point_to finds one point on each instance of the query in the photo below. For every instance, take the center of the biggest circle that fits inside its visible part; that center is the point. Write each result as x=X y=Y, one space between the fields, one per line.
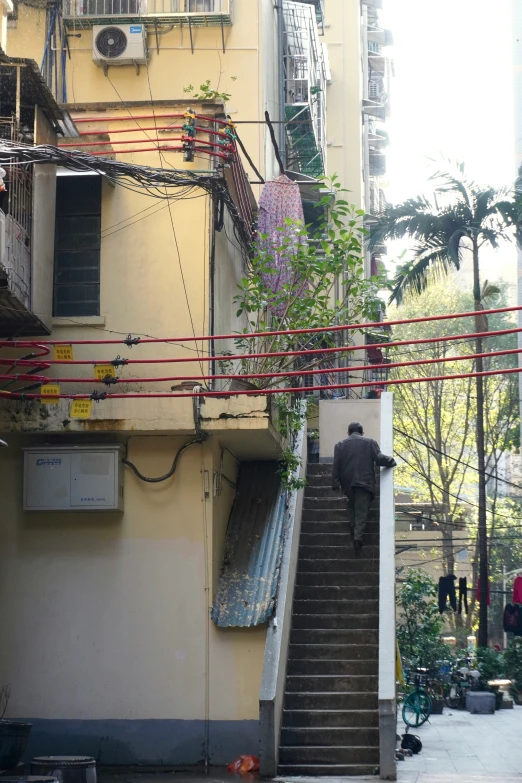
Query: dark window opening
x=77 y=247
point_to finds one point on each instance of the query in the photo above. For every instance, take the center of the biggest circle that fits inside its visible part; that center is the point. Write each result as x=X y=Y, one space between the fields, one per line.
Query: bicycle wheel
x=416 y=709
x=452 y=697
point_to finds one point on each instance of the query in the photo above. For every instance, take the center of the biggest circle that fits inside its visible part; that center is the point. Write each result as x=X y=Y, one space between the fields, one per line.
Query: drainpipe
x=281 y=47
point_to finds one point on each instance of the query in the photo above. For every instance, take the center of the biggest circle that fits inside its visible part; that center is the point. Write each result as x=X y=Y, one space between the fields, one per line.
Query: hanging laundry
x=447 y=590
x=280 y=201
x=477 y=594
x=463 y=594
x=517 y=590
x=511 y=620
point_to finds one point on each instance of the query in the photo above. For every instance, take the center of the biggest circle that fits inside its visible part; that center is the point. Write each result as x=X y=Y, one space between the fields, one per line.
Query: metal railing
x=97 y=9
x=305 y=82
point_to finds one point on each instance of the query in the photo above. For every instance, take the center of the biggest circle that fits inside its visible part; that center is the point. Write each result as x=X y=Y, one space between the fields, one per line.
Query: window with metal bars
x=77 y=249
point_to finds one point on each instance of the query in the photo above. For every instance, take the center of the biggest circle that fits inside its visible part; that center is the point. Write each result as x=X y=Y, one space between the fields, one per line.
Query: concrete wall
x=344 y=96
x=110 y=649
x=336 y=415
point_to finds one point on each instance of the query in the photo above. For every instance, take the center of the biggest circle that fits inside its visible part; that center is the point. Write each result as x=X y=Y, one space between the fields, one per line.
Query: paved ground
x=459 y=747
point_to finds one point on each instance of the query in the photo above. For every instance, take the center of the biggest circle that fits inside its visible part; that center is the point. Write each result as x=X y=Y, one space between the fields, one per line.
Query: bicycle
x=416 y=708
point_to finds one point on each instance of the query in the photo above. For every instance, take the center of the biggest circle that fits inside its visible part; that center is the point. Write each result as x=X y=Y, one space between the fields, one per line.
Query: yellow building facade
x=111 y=649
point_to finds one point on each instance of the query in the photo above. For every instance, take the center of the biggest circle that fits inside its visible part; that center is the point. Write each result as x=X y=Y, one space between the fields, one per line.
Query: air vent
x=111 y=42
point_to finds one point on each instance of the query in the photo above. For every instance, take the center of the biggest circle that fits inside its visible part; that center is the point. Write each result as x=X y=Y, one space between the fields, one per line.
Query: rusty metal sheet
x=253 y=548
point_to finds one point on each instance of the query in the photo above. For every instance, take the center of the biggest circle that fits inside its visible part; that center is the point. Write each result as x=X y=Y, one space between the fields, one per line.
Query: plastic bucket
x=13 y=742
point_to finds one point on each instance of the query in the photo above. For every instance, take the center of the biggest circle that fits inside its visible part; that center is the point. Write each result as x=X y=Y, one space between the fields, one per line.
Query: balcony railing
x=305 y=89
x=196 y=12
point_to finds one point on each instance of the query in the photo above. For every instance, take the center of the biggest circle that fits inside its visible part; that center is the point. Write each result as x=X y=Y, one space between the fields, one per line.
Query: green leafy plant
x=207 y=92
x=324 y=283
x=513 y=666
x=419 y=622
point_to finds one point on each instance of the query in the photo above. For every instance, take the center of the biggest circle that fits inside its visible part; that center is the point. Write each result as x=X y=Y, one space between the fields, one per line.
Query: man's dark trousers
x=359 y=502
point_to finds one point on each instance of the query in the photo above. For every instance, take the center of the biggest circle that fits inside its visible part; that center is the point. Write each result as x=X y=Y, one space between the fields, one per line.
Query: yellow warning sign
x=102 y=371
x=63 y=353
x=81 y=409
x=50 y=394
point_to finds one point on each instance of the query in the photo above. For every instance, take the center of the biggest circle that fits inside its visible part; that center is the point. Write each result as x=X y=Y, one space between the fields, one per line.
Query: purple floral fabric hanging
x=280 y=200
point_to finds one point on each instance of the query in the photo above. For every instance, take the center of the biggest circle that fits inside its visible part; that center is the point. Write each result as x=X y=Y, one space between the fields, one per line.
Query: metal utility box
x=73 y=478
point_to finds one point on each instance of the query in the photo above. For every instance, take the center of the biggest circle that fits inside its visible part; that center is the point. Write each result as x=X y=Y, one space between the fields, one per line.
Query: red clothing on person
x=517 y=591
x=478 y=593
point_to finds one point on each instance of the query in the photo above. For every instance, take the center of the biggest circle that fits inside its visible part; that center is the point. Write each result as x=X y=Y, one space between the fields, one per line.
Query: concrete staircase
x=330 y=717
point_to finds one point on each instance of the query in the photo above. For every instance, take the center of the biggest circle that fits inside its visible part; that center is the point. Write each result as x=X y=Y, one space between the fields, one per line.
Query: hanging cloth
x=477 y=594
x=463 y=594
x=280 y=201
x=511 y=619
x=517 y=591
x=447 y=590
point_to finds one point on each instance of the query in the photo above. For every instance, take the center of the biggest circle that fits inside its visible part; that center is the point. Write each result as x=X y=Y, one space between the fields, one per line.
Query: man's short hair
x=355 y=426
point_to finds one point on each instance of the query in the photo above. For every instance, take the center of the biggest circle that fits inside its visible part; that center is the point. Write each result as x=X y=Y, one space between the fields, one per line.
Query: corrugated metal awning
x=252 y=558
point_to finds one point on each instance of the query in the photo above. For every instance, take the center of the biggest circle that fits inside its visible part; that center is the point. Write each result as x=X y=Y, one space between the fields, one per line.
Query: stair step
x=335 y=652
x=333 y=578
x=331 y=701
x=363 y=606
x=314 y=490
x=342 y=667
x=330 y=736
x=316 y=527
x=318 y=468
x=315 y=538
x=317 y=622
x=322 y=479
x=353 y=593
x=322 y=770
x=330 y=683
x=337 y=552
x=325 y=503
x=333 y=515
x=318 y=718
x=356 y=564
x=334 y=636
x=328 y=755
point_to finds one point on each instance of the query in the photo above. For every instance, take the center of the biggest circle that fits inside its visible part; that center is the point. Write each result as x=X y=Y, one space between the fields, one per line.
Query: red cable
x=314 y=330
x=144 y=141
x=199 y=118
x=264 y=392
x=308 y=352
x=210 y=131
x=289 y=374
x=163 y=149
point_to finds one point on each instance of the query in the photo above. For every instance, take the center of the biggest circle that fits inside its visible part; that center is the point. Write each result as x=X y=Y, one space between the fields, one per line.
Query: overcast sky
x=452 y=96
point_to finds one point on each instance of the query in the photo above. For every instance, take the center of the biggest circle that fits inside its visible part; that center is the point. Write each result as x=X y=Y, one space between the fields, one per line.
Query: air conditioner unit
x=73 y=478
x=119 y=44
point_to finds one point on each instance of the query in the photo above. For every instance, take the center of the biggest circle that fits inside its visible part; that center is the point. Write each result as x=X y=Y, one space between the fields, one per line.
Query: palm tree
x=460 y=216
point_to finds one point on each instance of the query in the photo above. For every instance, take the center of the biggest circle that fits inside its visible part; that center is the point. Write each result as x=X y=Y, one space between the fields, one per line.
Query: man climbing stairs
x=330 y=717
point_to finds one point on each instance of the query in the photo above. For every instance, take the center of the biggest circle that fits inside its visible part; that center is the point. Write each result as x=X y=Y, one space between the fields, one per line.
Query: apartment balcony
x=319 y=9
x=16 y=318
x=377 y=163
x=305 y=73
x=197 y=13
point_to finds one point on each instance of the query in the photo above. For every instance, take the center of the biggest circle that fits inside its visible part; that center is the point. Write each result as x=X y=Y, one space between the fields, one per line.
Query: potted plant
x=13 y=734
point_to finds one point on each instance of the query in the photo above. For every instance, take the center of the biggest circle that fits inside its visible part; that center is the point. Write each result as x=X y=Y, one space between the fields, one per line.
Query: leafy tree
x=461 y=216
x=435 y=420
x=419 y=623
x=323 y=283
x=310 y=277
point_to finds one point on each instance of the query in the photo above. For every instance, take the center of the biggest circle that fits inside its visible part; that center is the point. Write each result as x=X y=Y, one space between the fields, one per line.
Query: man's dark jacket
x=354 y=463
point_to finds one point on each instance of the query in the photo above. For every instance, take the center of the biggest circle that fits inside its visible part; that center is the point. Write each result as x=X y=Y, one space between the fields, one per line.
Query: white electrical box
x=73 y=478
